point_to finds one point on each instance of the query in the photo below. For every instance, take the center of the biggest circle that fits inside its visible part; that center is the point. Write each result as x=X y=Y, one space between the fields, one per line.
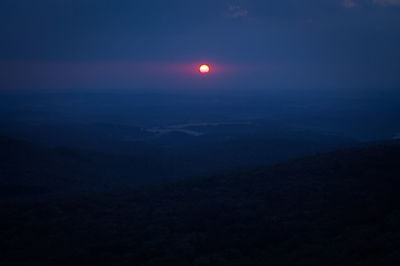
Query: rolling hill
x=338 y=208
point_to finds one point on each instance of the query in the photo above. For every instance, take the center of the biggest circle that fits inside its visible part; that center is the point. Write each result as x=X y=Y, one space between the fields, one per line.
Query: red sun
x=204 y=68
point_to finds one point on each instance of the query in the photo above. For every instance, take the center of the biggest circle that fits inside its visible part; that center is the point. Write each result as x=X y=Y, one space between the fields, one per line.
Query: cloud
x=387 y=2
x=235 y=12
x=349 y=3
x=353 y=3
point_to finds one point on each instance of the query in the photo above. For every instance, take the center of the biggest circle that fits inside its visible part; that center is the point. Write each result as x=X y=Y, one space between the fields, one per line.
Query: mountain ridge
x=338 y=208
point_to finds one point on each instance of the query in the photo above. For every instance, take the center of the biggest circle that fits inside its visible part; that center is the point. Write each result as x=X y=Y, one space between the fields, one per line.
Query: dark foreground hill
x=340 y=208
x=29 y=171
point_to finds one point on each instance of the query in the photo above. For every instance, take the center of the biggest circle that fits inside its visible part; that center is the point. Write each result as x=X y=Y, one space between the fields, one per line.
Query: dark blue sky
x=89 y=44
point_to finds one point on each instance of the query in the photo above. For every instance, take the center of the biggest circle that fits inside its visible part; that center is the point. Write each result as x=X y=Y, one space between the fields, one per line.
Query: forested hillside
x=339 y=208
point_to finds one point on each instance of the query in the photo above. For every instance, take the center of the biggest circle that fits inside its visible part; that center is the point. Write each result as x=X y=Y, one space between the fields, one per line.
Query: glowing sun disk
x=204 y=68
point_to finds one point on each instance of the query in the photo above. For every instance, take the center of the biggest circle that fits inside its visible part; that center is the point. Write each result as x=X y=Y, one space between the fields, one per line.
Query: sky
x=158 y=44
